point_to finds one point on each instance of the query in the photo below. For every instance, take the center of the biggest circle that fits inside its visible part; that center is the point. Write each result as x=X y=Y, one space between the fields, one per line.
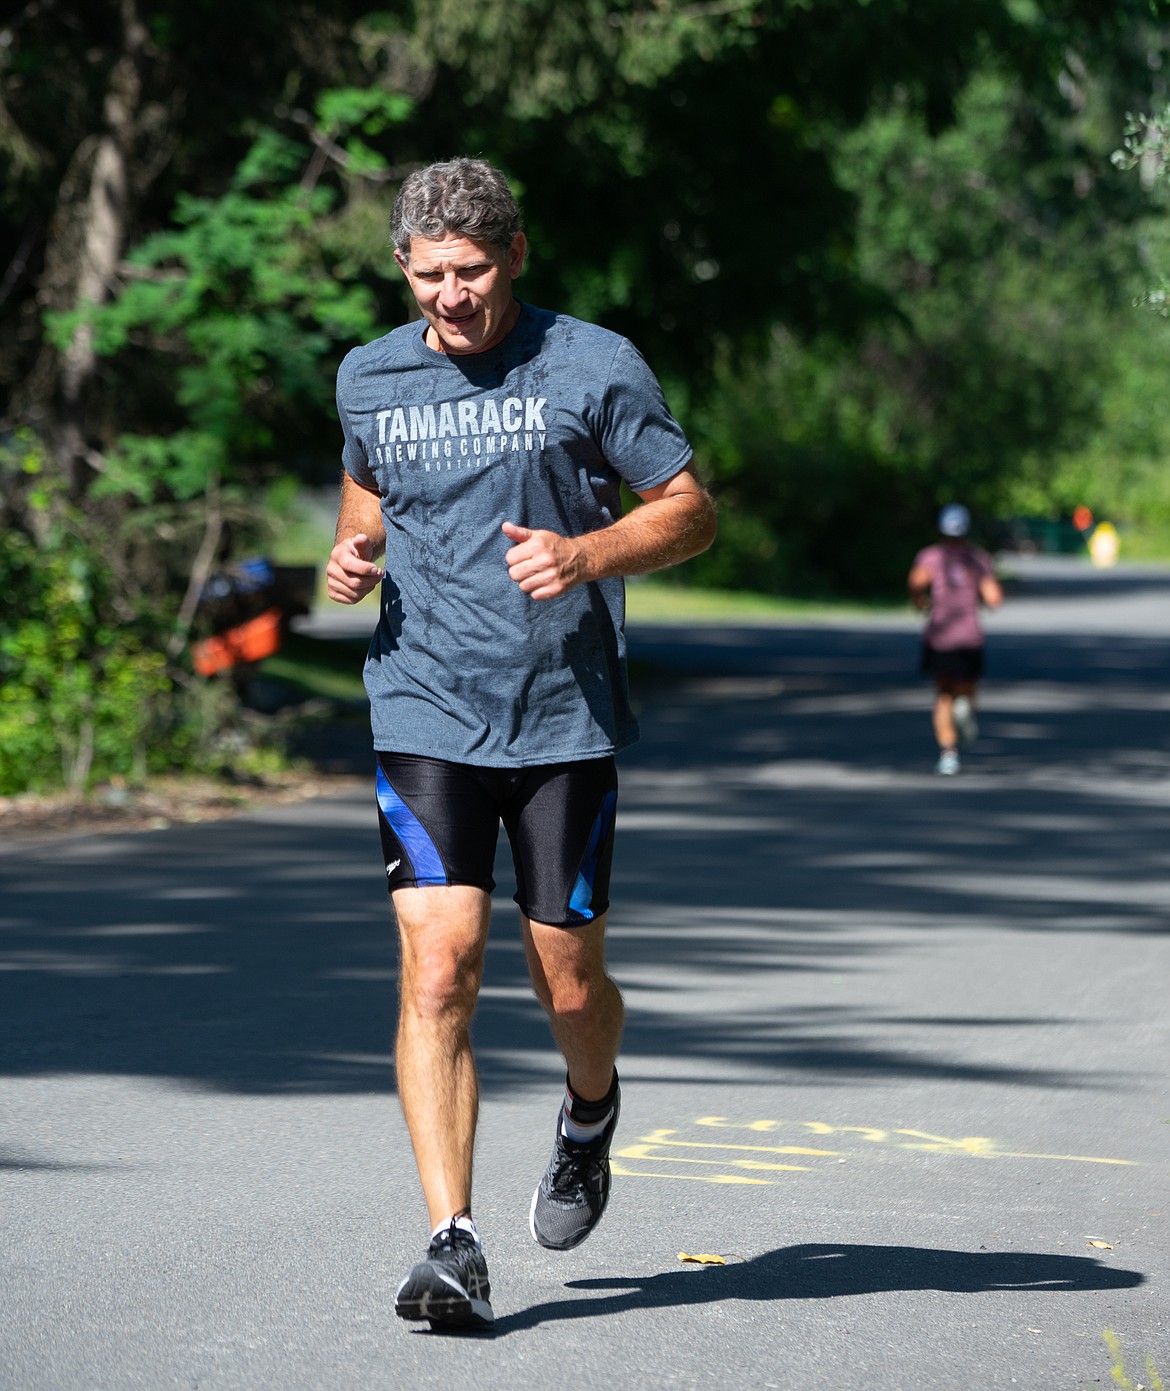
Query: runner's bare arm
x=990 y=591
x=361 y=537
x=676 y=521
x=919 y=586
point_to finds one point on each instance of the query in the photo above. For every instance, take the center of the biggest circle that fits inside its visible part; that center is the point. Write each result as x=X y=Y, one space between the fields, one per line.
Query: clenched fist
x=351 y=572
x=543 y=563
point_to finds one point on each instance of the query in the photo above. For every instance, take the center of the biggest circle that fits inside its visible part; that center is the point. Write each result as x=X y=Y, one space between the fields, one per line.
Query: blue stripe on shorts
x=581 y=899
x=424 y=857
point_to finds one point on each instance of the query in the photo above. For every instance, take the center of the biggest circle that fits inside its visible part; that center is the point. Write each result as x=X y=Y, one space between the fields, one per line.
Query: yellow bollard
x=1103 y=545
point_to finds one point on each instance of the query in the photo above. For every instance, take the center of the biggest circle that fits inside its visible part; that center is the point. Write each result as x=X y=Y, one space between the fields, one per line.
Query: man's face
x=464 y=289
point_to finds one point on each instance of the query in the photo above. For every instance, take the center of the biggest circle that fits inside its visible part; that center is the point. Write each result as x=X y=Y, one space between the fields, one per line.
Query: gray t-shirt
x=540 y=430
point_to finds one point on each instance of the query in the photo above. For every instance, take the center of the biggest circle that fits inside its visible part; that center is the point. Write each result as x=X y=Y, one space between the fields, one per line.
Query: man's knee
x=567 y=965
x=442 y=936
x=575 y=994
x=565 y=999
x=441 y=981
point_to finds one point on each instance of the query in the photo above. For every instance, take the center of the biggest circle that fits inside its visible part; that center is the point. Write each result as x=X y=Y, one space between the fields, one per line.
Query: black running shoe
x=450 y=1288
x=572 y=1195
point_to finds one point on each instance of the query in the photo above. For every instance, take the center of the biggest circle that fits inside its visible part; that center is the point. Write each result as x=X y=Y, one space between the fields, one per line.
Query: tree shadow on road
x=824 y=1271
x=779 y=825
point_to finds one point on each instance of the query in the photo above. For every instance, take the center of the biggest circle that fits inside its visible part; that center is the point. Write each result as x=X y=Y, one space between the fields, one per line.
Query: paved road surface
x=897 y=1049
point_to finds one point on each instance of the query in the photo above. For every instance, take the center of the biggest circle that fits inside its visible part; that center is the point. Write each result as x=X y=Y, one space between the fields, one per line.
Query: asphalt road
x=896 y=1050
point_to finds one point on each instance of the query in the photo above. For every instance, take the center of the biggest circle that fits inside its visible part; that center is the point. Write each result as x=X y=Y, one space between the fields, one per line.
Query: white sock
x=465 y=1224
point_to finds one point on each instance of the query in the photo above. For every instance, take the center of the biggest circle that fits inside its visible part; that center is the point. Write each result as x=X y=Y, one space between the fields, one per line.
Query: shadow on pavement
x=1050 y=580
x=779 y=809
x=828 y=1272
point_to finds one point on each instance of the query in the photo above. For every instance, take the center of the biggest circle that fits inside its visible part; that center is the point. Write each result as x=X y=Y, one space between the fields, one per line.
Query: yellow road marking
x=658 y=1137
x=643 y=1151
x=980 y=1146
x=656 y=1146
x=623 y=1172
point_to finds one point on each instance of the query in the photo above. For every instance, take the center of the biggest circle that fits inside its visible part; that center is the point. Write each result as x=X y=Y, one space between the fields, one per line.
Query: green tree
x=678 y=161
x=162 y=102
x=80 y=692
x=193 y=231
x=225 y=332
x=1000 y=253
x=234 y=319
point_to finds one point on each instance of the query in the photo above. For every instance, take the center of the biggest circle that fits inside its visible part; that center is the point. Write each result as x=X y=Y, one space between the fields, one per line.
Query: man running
x=951 y=579
x=484 y=452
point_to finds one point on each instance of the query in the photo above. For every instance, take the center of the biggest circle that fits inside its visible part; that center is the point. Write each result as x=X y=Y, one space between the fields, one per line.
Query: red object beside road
x=249 y=642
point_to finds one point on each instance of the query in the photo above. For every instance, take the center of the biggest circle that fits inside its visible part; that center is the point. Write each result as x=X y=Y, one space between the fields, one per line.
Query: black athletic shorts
x=440 y=822
x=961 y=663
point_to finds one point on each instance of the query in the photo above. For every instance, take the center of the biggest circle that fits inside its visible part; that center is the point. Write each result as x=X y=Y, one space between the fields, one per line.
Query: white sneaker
x=948 y=763
x=963 y=714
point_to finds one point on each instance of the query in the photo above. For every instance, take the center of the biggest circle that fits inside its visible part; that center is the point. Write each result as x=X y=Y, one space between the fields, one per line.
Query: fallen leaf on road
x=1100 y=1245
x=703 y=1259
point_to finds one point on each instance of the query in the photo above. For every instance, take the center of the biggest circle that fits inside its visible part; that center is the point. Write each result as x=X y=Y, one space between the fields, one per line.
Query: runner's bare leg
x=584 y=1006
x=949 y=689
x=443 y=932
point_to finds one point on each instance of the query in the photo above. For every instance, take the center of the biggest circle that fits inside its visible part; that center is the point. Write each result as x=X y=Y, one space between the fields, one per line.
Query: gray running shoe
x=948 y=763
x=572 y=1195
x=450 y=1288
x=966 y=725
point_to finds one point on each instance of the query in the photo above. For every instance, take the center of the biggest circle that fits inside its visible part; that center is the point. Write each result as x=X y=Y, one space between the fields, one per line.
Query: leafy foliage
x=1146 y=148
x=237 y=299
x=80 y=692
x=1004 y=368
x=876 y=250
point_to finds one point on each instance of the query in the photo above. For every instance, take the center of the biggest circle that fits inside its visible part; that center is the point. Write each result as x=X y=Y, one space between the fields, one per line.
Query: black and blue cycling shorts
x=440 y=822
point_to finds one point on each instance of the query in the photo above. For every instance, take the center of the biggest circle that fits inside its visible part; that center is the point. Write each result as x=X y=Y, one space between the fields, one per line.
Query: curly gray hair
x=466 y=197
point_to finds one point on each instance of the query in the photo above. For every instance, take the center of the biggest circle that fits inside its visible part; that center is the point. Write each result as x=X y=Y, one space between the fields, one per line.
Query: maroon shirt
x=955 y=575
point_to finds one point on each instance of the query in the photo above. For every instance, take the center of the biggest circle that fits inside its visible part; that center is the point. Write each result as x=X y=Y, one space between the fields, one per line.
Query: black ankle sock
x=590 y=1112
